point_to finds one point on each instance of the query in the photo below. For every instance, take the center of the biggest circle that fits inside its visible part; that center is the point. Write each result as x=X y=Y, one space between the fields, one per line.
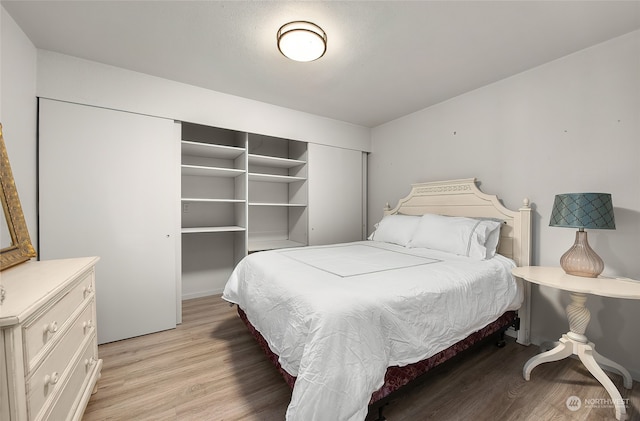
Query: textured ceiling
x=385 y=59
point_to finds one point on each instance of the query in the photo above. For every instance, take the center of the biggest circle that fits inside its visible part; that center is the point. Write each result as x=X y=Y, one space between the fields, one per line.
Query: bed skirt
x=396 y=377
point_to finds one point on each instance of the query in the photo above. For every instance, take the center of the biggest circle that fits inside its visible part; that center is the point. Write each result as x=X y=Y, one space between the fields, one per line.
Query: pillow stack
x=476 y=238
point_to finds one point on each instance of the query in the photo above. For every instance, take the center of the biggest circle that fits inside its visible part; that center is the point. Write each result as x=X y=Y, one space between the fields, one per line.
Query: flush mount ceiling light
x=302 y=41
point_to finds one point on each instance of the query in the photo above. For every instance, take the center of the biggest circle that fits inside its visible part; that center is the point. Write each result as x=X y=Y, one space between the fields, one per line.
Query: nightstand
x=575 y=342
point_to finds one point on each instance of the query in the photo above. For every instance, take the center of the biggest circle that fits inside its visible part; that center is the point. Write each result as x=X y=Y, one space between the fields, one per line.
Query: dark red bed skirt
x=396 y=377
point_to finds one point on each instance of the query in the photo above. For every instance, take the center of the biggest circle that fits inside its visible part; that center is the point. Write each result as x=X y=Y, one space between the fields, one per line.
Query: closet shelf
x=200 y=170
x=294 y=205
x=273 y=161
x=272 y=178
x=262 y=245
x=208 y=150
x=196 y=230
x=204 y=200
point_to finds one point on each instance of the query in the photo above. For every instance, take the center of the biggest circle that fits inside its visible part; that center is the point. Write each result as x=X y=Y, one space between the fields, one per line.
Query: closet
x=171 y=207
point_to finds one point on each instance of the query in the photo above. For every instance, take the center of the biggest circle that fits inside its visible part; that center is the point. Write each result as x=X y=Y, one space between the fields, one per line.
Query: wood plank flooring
x=210 y=368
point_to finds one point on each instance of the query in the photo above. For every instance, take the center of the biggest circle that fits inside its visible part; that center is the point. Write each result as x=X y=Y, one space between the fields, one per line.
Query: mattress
x=337 y=316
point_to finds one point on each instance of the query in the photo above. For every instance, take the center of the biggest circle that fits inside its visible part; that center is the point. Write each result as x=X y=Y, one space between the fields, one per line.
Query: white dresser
x=49 y=362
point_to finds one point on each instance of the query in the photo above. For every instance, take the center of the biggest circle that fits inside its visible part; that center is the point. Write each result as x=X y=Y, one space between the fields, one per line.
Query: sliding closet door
x=108 y=185
x=337 y=188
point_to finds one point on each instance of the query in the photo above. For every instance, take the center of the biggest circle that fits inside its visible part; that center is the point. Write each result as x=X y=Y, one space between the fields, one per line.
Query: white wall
x=72 y=79
x=18 y=112
x=572 y=125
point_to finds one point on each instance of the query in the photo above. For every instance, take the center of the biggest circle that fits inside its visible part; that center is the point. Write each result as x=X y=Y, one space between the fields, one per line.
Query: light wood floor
x=209 y=368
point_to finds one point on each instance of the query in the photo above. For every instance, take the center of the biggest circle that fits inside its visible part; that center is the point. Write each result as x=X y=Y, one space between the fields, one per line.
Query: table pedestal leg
x=561 y=351
x=575 y=342
x=586 y=354
x=613 y=366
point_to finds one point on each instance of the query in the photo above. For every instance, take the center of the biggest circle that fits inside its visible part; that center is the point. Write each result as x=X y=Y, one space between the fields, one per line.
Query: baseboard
x=200 y=294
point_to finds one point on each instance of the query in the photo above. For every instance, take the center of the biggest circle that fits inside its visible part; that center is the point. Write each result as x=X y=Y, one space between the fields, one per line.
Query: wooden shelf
x=272 y=161
x=203 y=171
x=210 y=150
x=271 y=178
x=196 y=230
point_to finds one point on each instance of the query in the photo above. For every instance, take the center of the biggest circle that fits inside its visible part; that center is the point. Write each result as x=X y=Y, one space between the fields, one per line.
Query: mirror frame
x=21 y=248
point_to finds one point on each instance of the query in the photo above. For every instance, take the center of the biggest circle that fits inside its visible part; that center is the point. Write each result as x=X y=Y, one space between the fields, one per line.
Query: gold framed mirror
x=15 y=242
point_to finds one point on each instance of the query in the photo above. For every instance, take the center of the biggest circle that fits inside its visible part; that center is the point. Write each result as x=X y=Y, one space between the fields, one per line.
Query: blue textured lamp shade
x=582 y=210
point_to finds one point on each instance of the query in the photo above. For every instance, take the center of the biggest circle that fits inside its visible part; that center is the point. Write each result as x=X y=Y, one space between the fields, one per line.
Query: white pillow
x=396 y=229
x=454 y=234
x=493 y=239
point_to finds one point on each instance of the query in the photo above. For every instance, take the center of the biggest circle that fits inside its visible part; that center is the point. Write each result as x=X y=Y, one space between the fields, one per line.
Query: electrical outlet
x=185 y=208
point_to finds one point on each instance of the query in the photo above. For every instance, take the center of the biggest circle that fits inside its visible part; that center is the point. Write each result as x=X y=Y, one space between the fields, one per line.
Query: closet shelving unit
x=277 y=193
x=213 y=206
x=240 y=193
x=209 y=164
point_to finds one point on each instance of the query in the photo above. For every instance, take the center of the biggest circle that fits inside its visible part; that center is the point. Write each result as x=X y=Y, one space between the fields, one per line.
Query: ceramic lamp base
x=581 y=260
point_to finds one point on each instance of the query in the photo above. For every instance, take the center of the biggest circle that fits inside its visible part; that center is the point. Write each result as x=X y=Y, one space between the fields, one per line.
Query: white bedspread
x=338 y=316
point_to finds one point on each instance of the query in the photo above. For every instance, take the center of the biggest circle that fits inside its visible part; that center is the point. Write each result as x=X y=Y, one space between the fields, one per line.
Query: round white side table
x=575 y=342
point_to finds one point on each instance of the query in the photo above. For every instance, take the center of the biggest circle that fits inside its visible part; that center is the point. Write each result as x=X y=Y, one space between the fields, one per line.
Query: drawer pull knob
x=88 y=290
x=51 y=379
x=51 y=327
x=88 y=324
x=90 y=362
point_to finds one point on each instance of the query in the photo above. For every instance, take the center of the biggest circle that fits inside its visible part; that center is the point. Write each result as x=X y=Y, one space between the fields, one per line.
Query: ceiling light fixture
x=302 y=41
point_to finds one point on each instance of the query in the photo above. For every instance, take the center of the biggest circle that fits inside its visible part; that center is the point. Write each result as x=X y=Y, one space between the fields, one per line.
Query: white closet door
x=108 y=184
x=336 y=195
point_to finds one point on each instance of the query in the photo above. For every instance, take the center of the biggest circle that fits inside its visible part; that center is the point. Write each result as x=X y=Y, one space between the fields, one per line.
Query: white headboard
x=463 y=198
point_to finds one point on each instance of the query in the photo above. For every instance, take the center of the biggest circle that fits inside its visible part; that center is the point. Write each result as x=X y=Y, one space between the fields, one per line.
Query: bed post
x=524 y=259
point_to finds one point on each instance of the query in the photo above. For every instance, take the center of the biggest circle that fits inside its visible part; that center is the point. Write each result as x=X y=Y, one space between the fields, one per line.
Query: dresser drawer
x=47 y=326
x=47 y=379
x=77 y=390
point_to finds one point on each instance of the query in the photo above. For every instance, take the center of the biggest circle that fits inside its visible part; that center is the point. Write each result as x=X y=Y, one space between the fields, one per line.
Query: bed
x=348 y=324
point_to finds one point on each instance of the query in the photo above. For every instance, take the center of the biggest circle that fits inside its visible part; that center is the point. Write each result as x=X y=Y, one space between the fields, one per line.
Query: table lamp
x=582 y=210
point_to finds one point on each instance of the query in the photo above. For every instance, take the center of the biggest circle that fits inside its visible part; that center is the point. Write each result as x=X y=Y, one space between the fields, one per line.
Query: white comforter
x=338 y=316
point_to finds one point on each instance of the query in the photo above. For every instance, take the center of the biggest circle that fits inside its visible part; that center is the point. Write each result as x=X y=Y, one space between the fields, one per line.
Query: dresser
x=49 y=362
